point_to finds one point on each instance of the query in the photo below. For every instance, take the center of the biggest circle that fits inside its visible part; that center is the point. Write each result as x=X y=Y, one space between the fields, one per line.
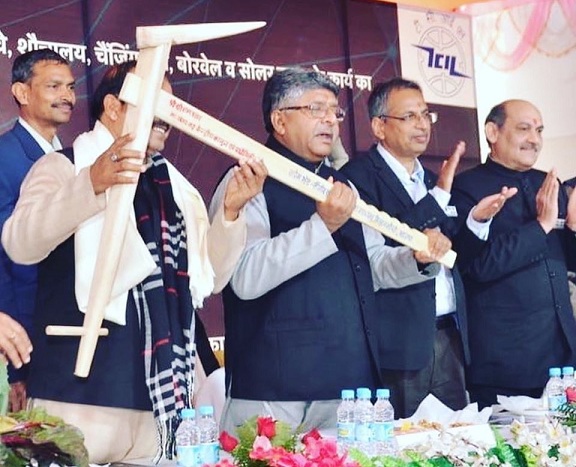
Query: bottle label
x=556 y=401
x=209 y=453
x=383 y=431
x=363 y=432
x=346 y=431
x=188 y=456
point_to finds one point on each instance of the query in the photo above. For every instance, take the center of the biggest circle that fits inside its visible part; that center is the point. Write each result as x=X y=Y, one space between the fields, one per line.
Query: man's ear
x=112 y=107
x=491 y=131
x=377 y=125
x=278 y=123
x=20 y=92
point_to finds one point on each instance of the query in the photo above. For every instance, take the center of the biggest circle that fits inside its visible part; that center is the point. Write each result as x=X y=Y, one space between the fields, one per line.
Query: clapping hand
x=491 y=205
x=547 y=202
x=449 y=166
x=571 y=215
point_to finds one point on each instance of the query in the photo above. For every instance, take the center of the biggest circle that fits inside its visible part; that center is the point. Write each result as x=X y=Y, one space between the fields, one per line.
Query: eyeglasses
x=316 y=110
x=412 y=117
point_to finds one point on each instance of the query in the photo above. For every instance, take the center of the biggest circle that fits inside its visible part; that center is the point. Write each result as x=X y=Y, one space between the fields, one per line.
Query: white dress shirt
x=47 y=146
x=416 y=189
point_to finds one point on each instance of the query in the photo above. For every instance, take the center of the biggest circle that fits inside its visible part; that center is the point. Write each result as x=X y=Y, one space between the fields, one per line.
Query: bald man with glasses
x=421 y=327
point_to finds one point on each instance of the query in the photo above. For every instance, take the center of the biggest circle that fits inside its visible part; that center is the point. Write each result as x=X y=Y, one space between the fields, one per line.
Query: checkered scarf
x=164 y=304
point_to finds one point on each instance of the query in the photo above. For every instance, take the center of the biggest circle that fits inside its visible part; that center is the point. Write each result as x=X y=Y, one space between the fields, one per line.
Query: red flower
x=312 y=434
x=571 y=394
x=266 y=427
x=227 y=441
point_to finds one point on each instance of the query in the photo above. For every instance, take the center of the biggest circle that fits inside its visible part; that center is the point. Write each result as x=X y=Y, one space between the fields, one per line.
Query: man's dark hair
x=497 y=115
x=23 y=66
x=111 y=83
x=287 y=85
x=378 y=99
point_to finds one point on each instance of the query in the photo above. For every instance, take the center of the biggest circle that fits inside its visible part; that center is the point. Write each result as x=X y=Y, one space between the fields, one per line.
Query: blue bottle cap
x=206 y=410
x=347 y=393
x=383 y=393
x=363 y=393
x=187 y=413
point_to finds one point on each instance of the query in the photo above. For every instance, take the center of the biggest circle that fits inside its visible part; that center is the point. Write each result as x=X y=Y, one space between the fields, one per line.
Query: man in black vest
x=514 y=265
x=422 y=327
x=300 y=317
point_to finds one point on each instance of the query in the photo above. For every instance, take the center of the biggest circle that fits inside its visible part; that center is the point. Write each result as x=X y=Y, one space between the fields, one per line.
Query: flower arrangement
x=546 y=444
x=263 y=442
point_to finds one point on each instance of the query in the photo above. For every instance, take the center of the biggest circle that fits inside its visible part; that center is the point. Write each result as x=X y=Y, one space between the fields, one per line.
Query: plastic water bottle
x=187 y=449
x=555 y=395
x=208 y=436
x=384 y=440
x=569 y=383
x=345 y=419
x=363 y=419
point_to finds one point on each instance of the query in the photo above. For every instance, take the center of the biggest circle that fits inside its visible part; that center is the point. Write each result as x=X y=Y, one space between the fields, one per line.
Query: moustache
x=65 y=103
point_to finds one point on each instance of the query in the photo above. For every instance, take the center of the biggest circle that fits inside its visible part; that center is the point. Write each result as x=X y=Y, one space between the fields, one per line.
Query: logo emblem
x=442 y=61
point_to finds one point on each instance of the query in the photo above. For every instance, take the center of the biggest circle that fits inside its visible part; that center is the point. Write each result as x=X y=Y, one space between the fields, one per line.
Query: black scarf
x=164 y=303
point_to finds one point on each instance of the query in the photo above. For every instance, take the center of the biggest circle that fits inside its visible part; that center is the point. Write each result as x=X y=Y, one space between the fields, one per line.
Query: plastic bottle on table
x=363 y=420
x=384 y=440
x=569 y=383
x=208 y=436
x=345 y=419
x=554 y=391
x=187 y=449
x=568 y=377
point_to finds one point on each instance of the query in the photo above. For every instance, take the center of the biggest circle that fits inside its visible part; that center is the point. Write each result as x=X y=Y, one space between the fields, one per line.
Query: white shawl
x=136 y=263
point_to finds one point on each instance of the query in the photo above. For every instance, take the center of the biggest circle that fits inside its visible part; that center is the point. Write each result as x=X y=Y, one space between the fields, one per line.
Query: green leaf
x=46 y=439
x=247 y=432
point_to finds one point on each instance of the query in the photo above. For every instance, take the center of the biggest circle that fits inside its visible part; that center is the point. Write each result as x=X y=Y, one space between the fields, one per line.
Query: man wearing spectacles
x=421 y=327
x=299 y=311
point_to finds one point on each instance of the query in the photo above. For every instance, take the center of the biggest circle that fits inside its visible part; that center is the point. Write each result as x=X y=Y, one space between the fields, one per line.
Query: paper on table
x=522 y=405
x=432 y=410
x=476 y=427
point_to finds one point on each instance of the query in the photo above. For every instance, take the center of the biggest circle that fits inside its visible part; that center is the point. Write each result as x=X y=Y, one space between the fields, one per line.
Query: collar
x=505 y=171
x=47 y=146
x=278 y=147
x=399 y=170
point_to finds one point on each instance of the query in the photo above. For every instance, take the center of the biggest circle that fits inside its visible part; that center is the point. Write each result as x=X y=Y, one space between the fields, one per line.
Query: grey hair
x=378 y=100
x=287 y=85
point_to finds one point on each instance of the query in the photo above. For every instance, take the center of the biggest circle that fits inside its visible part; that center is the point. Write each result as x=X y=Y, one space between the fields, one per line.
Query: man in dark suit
x=43 y=88
x=421 y=327
x=514 y=265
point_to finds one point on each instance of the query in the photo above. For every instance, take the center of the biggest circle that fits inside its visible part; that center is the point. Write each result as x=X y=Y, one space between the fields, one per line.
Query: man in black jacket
x=514 y=265
x=421 y=327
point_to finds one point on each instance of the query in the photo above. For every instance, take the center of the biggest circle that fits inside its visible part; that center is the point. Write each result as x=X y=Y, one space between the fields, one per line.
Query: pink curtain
x=532 y=31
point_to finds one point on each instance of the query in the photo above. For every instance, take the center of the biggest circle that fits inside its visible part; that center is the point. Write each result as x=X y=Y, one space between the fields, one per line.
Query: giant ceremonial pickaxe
x=142 y=91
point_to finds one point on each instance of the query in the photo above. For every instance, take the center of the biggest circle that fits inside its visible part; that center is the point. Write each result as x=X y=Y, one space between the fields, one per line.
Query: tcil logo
x=442 y=61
